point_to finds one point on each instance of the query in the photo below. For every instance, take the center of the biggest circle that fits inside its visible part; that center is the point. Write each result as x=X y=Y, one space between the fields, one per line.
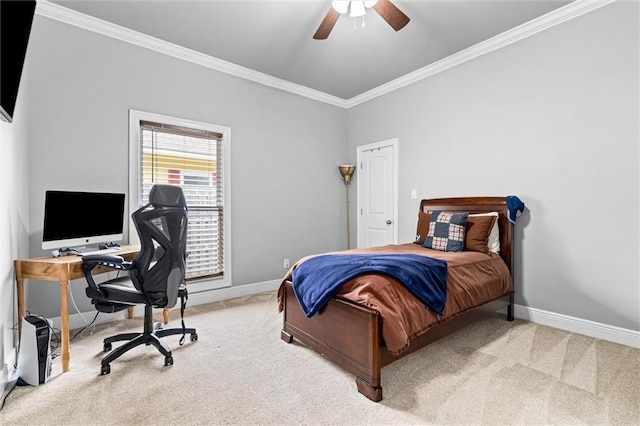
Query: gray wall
x=286 y=193
x=553 y=119
x=14 y=215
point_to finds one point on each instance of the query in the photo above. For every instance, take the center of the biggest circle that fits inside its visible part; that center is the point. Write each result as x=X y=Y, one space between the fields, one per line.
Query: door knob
x=388 y=221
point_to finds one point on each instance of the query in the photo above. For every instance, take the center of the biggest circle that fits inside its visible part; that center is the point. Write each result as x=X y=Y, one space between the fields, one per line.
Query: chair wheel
x=168 y=360
x=194 y=337
x=107 y=347
x=105 y=369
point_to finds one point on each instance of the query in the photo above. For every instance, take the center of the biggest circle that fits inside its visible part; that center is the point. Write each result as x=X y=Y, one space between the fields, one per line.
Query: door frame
x=394 y=143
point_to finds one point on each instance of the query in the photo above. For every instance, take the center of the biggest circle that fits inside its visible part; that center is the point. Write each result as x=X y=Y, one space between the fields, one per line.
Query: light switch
x=414 y=194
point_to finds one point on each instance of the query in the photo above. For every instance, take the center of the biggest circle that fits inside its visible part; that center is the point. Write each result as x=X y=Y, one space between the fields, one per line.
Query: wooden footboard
x=350 y=335
x=346 y=333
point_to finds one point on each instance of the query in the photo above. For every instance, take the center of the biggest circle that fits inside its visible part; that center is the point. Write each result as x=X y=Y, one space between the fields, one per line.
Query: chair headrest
x=167 y=196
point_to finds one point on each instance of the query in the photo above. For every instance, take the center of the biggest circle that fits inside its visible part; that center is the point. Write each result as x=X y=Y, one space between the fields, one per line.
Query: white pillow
x=494 y=235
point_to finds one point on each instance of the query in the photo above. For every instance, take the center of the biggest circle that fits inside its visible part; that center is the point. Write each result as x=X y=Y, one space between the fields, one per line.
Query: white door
x=377 y=194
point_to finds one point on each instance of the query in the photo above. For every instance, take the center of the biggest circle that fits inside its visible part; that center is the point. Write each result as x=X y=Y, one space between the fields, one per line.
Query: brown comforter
x=473 y=279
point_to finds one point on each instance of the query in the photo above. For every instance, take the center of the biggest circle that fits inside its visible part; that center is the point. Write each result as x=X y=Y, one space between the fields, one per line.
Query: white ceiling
x=275 y=37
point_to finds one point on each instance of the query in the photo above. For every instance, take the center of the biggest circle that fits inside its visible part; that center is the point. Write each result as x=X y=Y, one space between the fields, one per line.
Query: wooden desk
x=61 y=269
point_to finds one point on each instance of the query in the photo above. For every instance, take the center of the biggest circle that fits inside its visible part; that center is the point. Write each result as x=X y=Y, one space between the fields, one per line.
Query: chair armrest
x=110 y=261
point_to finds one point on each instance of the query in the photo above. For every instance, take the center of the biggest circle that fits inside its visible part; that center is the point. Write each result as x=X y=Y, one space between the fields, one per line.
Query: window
x=194 y=156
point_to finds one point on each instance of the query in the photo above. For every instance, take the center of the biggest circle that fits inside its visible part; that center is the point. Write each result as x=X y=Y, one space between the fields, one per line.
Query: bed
x=373 y=320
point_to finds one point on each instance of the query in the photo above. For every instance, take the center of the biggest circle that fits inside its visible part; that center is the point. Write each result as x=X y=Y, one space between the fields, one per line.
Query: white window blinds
x=192 y=159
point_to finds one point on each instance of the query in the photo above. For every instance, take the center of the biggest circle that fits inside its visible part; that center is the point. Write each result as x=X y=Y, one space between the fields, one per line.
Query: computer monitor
x=75 y=219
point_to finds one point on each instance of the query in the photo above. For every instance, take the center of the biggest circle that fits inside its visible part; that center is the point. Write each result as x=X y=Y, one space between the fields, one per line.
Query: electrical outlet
x=286 y=264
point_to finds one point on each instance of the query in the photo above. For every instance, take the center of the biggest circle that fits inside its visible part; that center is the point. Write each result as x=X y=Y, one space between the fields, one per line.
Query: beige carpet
x=240 y=372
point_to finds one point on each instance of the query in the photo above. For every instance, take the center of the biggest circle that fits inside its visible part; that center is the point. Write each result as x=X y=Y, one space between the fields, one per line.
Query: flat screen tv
x=76 y=219
x=16 y=17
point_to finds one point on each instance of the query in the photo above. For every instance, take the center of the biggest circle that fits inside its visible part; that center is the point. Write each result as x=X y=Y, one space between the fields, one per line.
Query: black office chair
x=155 y=278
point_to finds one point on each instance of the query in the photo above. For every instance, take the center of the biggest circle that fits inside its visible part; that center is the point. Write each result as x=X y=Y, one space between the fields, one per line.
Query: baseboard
x=232 y=292
x=78 y=321
x=589 y=328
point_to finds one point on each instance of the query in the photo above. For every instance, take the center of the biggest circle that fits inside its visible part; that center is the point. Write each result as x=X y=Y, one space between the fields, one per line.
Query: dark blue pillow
x=446 y=231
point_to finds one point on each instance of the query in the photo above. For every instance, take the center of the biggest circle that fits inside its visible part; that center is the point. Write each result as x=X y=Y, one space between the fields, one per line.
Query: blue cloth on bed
x=318 y=278
x=515 y=207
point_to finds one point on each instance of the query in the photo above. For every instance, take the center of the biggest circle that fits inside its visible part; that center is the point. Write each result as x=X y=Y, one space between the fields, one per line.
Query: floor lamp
x=346 y=170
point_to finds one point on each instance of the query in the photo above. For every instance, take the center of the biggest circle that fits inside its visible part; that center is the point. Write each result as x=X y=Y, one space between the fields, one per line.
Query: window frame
x=135 y=117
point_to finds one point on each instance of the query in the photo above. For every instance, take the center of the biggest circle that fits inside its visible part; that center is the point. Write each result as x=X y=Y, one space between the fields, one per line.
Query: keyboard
x=102 y=251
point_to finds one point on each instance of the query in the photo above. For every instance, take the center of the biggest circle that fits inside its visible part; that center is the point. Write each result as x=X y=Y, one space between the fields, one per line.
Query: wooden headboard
x=479 y=205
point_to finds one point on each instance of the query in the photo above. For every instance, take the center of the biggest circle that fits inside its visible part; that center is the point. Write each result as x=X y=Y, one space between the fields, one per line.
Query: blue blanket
x=318 y=278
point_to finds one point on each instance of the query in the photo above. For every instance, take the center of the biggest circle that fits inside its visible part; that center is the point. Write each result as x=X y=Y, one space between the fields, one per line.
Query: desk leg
x=22 y=306
x=64 y=319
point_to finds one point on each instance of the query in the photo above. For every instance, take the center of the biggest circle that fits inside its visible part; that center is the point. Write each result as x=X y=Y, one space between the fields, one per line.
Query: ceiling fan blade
x=327 y=24
x=390 y=13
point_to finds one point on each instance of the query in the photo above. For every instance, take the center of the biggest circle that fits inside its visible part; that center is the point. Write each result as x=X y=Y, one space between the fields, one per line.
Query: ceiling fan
x=388 y=11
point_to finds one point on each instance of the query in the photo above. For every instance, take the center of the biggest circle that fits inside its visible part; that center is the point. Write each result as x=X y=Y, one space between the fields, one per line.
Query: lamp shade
x=347 y=170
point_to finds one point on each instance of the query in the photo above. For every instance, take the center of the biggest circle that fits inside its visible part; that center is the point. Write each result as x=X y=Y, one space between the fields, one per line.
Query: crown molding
x=71 y=17
x=544 y=22
x=551 y=19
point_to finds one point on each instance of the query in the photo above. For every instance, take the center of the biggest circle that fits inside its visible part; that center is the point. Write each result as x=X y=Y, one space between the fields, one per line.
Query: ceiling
x=275 y=37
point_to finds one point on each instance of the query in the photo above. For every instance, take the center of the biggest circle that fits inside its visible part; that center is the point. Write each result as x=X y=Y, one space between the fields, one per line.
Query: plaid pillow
x=446 y=231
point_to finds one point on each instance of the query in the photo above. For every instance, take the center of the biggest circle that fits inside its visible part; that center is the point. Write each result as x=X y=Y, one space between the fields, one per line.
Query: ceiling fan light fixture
x=340 y=6
x=387 y=10
x=357 y=9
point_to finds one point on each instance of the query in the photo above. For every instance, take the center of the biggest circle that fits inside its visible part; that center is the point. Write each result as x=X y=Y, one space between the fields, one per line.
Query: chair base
x=148 y=337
